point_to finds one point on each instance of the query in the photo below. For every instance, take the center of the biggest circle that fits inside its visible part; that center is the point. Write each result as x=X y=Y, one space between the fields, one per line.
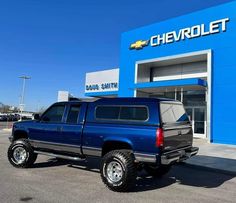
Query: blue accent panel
x=118 y=139
x=222 y=44
x=168 y=83
x=100 y=94
x=223 y=141
x=140 y=137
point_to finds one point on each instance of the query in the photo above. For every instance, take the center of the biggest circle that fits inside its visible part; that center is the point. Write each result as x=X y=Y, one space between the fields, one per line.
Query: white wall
x=143 y=74
x=102 y=81
x=63 y=96
x=180 y=71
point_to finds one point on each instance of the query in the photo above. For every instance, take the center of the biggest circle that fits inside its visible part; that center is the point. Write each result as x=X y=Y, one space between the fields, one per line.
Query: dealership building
x=190 y=58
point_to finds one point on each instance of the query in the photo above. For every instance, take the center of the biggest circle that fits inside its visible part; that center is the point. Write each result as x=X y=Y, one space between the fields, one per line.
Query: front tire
x=20 y=154
x=118 y=170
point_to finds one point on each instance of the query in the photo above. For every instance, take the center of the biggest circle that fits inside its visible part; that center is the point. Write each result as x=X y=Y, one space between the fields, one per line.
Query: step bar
x=72 y=158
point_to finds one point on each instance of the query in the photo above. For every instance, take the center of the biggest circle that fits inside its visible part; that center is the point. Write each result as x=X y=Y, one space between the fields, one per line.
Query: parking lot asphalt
x=64 y=181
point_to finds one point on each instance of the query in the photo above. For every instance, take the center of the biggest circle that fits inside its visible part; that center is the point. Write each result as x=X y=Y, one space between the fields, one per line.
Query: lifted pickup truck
x=129 y=134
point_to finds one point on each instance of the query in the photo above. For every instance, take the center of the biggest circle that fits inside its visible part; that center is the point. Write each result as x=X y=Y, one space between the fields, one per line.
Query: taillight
x=159 y=137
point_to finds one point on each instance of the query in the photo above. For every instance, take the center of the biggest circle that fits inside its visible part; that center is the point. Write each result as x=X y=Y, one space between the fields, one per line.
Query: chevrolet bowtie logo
x=139 y=44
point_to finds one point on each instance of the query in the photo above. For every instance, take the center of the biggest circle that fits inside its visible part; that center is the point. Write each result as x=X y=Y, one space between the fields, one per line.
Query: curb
x=216 y=170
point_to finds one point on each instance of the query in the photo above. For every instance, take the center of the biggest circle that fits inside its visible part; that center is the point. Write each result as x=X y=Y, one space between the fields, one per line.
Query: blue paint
x=139 y=135
x=168 y=83
x=98 y=94
x=222 y=46
x=223 y=63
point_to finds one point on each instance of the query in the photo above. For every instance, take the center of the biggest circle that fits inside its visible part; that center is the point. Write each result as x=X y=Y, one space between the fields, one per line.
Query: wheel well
x=20 y=134
x=113 y=145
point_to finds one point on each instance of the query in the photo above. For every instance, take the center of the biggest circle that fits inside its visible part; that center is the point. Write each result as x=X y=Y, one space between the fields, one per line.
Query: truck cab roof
x=117 y=100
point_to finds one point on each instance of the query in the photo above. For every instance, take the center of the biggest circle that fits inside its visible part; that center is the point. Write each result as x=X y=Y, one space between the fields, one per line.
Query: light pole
x=24 y=77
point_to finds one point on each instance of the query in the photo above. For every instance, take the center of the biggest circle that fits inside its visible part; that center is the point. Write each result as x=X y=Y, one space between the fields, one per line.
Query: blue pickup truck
x=128 y=134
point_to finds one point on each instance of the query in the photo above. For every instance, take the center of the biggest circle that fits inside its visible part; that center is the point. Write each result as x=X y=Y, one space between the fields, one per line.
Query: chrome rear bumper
x=172 y=157
x=168 y=157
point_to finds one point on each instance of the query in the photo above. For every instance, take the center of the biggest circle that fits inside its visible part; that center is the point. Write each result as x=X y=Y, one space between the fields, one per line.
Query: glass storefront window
x=178 y=95
x=170 y=95
x=194 y=102
x=194 y=98
x=190 y=97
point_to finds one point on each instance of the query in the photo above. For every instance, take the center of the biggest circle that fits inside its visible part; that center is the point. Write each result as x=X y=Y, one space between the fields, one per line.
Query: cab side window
x=107 y=112
x=73 y=114
x=122 y=113
x=54 y=114
x=134 y=113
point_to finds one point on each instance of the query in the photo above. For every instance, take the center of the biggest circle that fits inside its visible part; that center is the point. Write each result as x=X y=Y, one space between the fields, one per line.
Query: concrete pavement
x=217 y=157
x=64 y=181
x=6 y=125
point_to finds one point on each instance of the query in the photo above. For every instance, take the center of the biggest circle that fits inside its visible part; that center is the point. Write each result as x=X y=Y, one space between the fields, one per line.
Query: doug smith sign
x=102 y=81
x=182 y=34
x=111 y=86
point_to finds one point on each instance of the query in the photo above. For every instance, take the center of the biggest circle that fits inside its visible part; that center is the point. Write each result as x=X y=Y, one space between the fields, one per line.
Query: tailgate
x=176 y=126
x=177 y=136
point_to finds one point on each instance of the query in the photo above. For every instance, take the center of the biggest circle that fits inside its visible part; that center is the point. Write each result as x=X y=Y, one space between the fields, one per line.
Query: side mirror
x=36 y=116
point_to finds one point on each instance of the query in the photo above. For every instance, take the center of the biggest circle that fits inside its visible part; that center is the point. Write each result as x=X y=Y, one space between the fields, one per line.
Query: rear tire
x=157 y=171
x=118 y=170
x=20 y=154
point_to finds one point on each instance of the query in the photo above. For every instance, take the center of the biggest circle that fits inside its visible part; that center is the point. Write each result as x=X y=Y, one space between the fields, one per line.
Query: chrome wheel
x=114 y=171
x=19 y=155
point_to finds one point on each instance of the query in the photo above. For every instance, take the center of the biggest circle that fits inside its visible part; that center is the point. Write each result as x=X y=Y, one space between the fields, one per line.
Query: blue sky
x=57 y=41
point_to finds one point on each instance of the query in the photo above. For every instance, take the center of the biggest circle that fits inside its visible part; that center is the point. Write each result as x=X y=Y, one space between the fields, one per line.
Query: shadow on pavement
x=90 y=164
x=179 y=174
x=184 y=176
x=218 y=163
x=52 y=162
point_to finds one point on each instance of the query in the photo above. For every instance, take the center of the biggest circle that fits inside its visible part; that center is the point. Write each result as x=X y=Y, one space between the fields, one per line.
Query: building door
x=198 y=117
